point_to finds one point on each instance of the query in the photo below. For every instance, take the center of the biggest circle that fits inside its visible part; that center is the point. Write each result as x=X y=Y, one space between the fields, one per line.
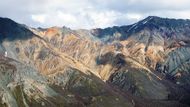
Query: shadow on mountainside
x=10 y=30
x=111 y=58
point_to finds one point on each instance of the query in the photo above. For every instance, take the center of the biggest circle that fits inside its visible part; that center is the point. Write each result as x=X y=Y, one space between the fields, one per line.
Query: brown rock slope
x=143 y=65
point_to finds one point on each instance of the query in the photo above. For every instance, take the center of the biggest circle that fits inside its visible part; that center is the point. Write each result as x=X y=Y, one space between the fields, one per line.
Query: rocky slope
x=141 y=65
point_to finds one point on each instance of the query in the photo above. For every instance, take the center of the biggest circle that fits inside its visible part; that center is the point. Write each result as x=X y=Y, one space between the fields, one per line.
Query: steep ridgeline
x=37 y=71
x=141 y=65
x=160 y=44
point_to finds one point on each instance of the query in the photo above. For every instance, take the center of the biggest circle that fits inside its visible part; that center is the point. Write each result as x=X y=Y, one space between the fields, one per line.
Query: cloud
x=39 y=18
x=90 y=13
x=57 y=18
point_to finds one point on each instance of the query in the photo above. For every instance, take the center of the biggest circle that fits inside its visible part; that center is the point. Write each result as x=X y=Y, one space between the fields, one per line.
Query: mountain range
x=146 y=64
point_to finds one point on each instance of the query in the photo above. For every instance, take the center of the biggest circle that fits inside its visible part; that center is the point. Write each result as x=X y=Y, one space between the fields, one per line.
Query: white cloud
x=66 y=17
x=134 y=16
x=57 y=18
x=90 y=13
x=39 y=18
x=103 y=19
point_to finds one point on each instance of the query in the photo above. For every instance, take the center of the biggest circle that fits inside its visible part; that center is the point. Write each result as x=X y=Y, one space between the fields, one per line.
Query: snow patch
x=136 y=27
x=145 y=21
x=132 y=27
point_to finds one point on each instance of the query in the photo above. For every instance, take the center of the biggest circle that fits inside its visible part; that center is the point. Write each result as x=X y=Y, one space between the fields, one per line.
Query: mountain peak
x=165 y=22
x=4 y=18
x=153 y=17
x=11 y=30
x=7 y=22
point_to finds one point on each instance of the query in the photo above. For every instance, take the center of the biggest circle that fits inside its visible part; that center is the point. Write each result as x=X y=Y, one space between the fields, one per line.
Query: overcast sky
x=90 y=13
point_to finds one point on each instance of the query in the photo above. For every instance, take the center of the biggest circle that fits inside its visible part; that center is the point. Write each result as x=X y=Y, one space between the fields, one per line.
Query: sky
x=88 y=14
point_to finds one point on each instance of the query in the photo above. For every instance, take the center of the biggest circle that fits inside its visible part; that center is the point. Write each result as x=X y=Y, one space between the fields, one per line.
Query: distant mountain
x=146 y=64
x=150 y=23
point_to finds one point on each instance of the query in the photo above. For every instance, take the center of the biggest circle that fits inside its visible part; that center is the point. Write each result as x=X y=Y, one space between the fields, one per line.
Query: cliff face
x=144 y=64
